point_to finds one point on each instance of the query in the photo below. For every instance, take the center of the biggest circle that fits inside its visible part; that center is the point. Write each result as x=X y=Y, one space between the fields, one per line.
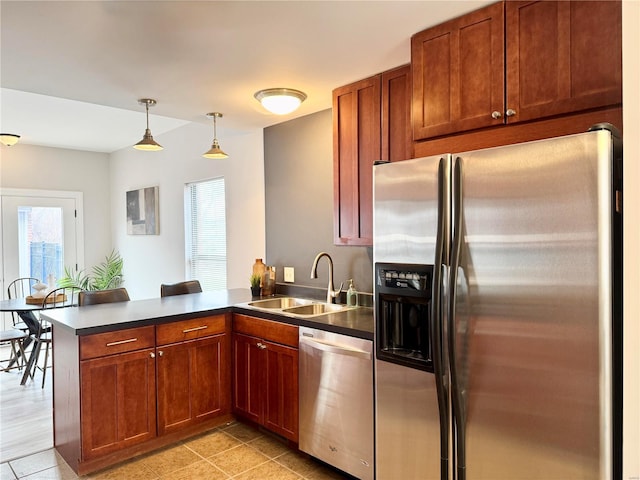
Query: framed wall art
x=142 y=212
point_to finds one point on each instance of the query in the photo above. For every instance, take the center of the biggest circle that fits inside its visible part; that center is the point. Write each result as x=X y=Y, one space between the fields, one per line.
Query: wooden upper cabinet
x=562 y=57
x=458 y=74
x=371 y=121
x=396 y=114
x=356 y=145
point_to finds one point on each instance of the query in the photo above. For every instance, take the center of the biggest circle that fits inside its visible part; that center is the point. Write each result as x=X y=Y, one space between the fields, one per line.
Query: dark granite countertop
x=356 y=322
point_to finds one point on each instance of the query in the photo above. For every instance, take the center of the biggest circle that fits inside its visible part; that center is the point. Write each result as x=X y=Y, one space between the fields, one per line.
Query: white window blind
x=206 y=233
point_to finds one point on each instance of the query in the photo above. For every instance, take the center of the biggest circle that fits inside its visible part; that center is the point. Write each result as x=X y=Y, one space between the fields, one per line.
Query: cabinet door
x=281 y=409
x=356 y=145
x=118 y=402
x=458 y=74
x=562 y=57
x=248 y=377
x=193 y=382
x=396 y=114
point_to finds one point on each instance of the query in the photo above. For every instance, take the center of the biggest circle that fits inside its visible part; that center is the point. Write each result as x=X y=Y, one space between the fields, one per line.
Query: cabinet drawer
x=102 y=344
x=277 y=332
x=189 y=329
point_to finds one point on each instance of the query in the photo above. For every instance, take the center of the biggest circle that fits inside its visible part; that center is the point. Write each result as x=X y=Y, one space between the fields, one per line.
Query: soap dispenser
x=352 y=295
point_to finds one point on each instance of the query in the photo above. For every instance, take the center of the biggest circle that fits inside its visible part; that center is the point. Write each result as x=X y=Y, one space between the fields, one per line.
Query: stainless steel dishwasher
x=336 y=400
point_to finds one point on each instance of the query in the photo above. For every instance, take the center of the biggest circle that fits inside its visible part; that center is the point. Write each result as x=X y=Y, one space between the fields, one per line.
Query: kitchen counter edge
x=89 y=320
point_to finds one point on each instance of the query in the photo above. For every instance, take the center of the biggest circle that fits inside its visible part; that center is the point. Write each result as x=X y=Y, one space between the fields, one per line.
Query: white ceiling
x=71 y=72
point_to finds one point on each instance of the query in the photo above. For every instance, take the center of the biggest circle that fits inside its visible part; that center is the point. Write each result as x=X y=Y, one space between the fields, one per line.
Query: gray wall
x=298 y=170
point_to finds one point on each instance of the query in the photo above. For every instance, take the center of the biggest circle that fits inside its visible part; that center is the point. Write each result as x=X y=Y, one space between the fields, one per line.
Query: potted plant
x=254 y=281
x=104 y=276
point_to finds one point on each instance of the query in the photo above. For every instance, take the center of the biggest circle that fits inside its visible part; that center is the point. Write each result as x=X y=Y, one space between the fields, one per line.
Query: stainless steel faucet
x=331 y=293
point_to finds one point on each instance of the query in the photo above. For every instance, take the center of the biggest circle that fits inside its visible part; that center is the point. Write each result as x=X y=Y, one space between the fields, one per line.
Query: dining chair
x=20 y=288
x=180 y=288
x=57 y=298
x=16 y=339
x=103 y=296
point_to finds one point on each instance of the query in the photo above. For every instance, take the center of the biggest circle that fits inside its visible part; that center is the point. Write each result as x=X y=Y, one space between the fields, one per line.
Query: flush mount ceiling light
x=147 y=142
x=9 y=139
x=215 y=151
x=280 y=100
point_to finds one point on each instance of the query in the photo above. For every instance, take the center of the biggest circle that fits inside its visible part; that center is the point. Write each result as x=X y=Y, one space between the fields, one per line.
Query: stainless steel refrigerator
x=497 y=282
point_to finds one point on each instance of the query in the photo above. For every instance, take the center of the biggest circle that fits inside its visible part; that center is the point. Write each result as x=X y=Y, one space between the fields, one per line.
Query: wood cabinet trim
x=119 y=341
x=191 y=329
x=277 y=332
x=518 y=133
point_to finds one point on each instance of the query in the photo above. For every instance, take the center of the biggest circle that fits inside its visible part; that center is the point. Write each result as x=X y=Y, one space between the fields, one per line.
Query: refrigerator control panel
x=402 y=279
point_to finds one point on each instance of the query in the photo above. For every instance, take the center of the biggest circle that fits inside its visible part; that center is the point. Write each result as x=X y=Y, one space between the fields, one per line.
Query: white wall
x=150 y=260
x=44 y=168
x=631 y=99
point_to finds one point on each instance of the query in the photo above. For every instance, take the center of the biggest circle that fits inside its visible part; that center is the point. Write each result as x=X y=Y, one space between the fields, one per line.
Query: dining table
x=27 y=313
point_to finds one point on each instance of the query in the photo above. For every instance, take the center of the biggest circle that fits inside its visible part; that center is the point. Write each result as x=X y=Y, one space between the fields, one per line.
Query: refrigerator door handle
x=457 y=401
x=437 y=318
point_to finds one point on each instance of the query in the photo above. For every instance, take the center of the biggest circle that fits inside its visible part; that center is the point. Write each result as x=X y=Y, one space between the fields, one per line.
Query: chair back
x=57 y=298
x=180 y=288
x=61 y=297
x=21 y=287
x=103 y=296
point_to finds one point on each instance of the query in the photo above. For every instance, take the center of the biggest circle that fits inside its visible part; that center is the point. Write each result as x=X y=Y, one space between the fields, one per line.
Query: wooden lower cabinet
x=193 y=382
x=265 y=374
x=248 y=377
x=281 y=402
x=118 y=407
x=123 y=393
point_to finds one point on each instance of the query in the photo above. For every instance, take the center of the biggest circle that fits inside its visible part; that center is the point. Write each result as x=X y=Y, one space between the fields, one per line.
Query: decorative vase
x=255 y=291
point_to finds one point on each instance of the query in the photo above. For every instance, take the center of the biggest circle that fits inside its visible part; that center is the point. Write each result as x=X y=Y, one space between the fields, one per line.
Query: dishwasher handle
x=334 y=348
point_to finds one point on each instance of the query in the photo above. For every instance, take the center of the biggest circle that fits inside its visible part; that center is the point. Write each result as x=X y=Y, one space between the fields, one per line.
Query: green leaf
x=105 y=275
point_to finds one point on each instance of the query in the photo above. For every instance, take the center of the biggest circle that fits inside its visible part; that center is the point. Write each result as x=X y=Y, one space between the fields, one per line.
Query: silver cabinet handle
x=510 y=112
x=195 y=329
x=160 y=353
x=128 y=340
x=261 y=346
x=152 y=355
x=496 y=115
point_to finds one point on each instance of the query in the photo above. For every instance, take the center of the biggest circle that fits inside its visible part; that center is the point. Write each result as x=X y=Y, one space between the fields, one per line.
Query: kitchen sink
x=297 y=307
x=315 y=309
x=279 y=303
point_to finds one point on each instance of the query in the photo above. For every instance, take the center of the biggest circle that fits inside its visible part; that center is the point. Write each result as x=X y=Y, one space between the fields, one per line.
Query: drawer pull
x=194 y=329
x=129 y=340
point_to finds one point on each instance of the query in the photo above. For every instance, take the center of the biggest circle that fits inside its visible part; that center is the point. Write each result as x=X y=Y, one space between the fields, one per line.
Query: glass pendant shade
x=9 y=139
x=215 y=151
x=147 y=143
x=280 y=100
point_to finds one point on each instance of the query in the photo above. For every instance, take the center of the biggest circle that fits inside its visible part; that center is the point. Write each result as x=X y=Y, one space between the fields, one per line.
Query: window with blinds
x=206 y=233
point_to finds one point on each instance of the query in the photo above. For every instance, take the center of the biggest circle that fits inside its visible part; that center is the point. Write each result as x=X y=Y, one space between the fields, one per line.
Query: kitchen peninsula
x=131 y=377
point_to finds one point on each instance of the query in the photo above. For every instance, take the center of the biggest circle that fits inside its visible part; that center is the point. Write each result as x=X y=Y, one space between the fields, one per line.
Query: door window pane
x=40 y=242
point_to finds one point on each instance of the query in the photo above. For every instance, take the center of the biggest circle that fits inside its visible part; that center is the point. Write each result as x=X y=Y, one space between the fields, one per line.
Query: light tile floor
x=236 y=451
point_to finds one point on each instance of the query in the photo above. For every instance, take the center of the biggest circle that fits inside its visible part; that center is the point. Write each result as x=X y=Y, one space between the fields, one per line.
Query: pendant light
x=280 y=100
x=147 y=142
x=9 y=139
x=215 y=151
